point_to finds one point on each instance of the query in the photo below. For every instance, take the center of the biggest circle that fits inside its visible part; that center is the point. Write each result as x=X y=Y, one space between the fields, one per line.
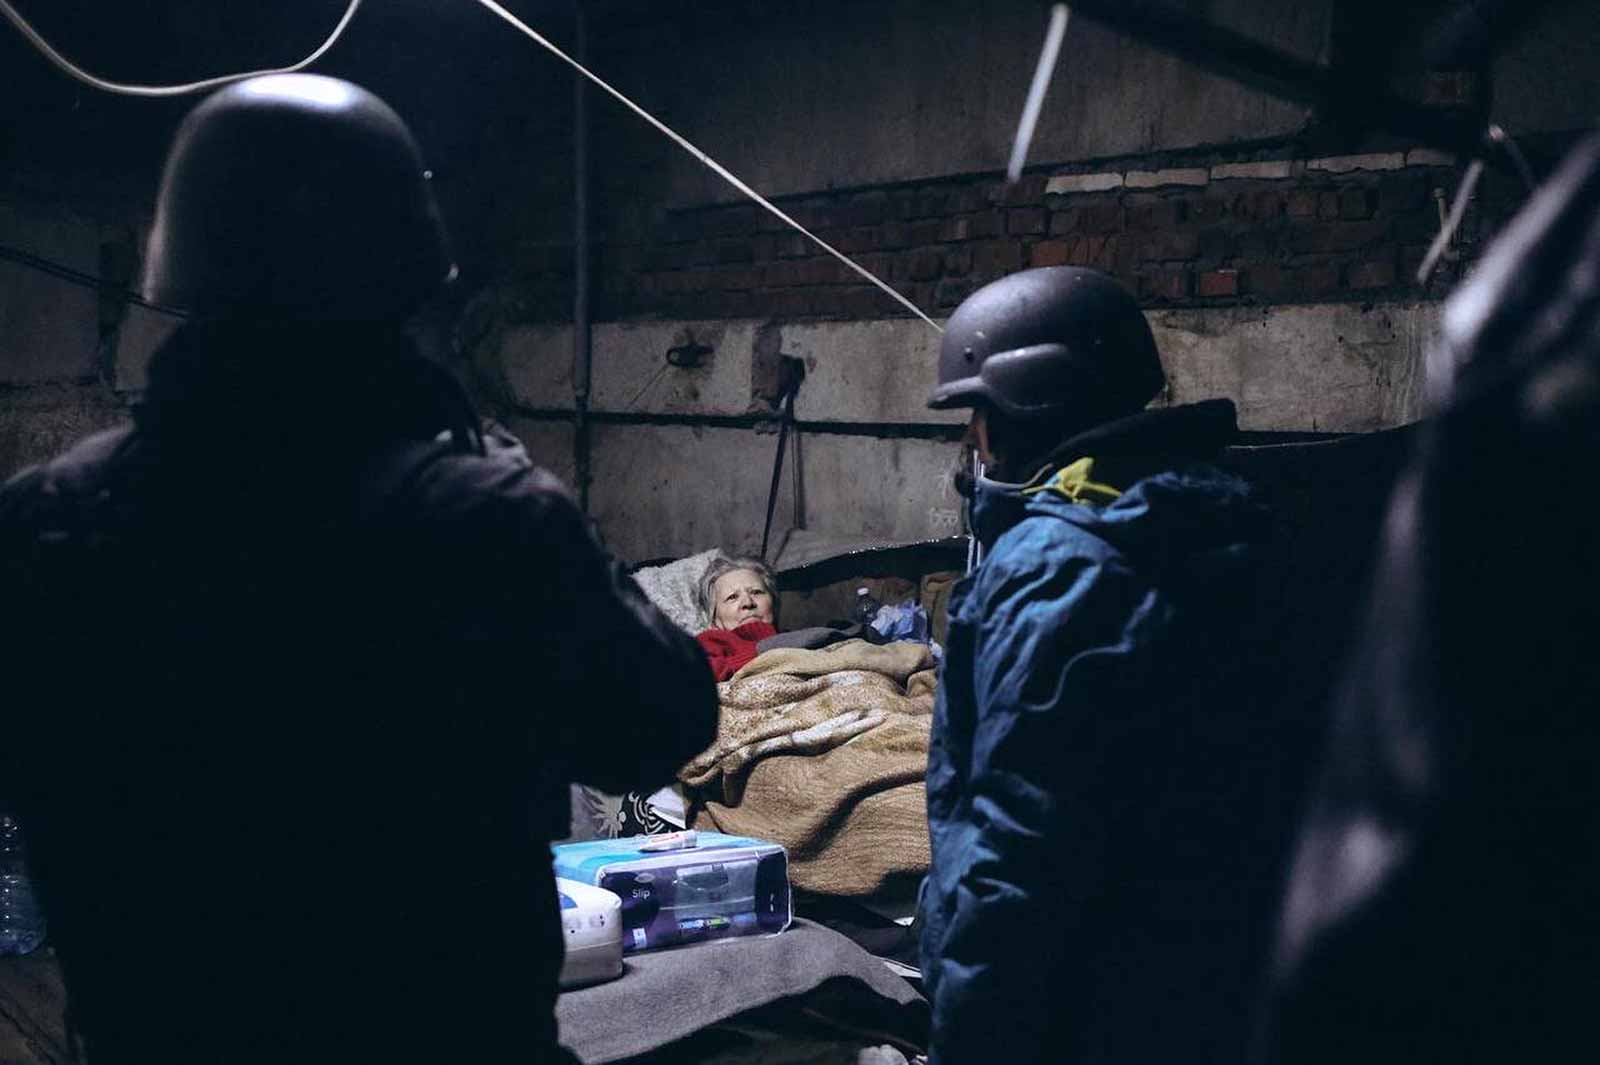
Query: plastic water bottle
x=21 y=921
x=866 y=607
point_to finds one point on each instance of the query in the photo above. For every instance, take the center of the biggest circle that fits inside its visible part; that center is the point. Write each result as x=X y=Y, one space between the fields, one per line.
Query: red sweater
x=730 y=649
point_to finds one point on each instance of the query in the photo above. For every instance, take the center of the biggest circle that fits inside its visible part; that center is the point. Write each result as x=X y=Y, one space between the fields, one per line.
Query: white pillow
x=672 y=588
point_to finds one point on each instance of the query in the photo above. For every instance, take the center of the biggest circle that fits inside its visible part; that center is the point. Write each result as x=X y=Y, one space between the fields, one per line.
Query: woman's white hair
x=720 y=567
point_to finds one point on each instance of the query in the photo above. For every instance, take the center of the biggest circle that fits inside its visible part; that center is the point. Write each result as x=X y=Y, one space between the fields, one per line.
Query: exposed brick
x=1402 y=192
x=734 y=251
x=787 y=303
x=1164 y=285
x=1327 y=205
x=1302 y=203
x=967 y=200
x=1205 y=209
x=679 y=228
x=1049 y=253
x=958 y=262
x=1344 y=164
x=986 y=224
x=1429 y=157
x=925 y=265
x=1256 y=242
x=1026 y=221
x=895 y=235
x=767 y=222
x=1095 y=251
x=879 y=263
x=926 y=231
x=727 y=221
x=921 y=293
x=1151 y=179
x=1317 y=280
x=994 y=258
x=1069 y=183
x=1338 y=236
x=949 y=293
x=1266 y=205
x=1064 y=222
x=725 y=304
x=666 y=257
x=1214 y=283
x=866 y=212
x=793 y=245
x=1273 y=170
x=780 y=274
x=1118 y=255
x=1266 y=279
x=732 y=278
x=1101 y=218
x=1214 y=244
x=824 y=302
x=1160 y=214
x=1355 y=204
x=864 y=301
x=825 y=270
x=1029 y=188
x=955 y=229
x=813 y=214
x=913 y=205
x=1169 y=244
x=862 y=238
x=1376 y=274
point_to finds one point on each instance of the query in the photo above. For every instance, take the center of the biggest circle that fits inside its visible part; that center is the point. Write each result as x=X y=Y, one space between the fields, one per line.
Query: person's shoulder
x=502 y=476
x=1046 y=538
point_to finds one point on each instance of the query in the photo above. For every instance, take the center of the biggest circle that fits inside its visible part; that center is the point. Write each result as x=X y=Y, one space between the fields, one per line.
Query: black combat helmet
x=298 y=198
x=1057 y=342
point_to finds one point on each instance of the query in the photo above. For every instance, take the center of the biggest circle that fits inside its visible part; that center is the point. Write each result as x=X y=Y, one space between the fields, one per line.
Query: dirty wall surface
x=682 y=456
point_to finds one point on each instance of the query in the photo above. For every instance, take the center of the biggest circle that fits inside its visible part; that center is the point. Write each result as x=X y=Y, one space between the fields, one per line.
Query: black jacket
x=297 y=692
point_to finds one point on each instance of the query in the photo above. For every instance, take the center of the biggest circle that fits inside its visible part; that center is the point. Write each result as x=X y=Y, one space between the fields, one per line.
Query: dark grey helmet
x=295 y=197
x=1049 y=342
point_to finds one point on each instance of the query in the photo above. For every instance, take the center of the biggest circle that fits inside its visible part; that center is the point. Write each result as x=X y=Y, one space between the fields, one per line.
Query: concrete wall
x=675 y=471
x=54 y=351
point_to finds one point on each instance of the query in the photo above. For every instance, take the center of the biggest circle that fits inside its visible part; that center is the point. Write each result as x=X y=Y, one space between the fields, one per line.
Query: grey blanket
x=664 y=996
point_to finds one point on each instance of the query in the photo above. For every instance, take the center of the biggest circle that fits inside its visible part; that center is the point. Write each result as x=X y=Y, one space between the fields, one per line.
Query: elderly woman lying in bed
x=822 y=739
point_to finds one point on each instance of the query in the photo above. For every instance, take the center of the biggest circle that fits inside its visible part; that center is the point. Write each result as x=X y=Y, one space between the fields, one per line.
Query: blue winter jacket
x=1089 y=778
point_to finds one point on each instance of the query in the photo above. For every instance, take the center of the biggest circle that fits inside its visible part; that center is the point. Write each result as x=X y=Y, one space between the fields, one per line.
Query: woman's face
x=739 y=596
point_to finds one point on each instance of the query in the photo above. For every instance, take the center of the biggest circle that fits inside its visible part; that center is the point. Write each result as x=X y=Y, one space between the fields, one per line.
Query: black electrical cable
x=78 y=277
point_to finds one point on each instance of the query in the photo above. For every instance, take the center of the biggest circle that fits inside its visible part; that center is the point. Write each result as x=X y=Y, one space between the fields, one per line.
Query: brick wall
x=1192 y=232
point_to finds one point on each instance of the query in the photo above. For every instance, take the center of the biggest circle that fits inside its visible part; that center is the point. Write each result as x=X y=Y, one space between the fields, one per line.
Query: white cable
x=715 y=166
x=1041 y=84
x=122 y=89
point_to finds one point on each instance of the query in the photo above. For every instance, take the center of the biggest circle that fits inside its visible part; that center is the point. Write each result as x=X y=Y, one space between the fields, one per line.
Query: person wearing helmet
x=307 y=658
x=1083 y=902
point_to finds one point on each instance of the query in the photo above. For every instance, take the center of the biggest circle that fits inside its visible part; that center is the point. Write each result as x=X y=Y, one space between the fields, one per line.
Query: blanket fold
x=825 y=751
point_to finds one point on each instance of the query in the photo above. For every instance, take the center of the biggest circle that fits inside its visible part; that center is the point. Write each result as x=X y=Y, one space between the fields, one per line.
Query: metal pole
x=581 y=363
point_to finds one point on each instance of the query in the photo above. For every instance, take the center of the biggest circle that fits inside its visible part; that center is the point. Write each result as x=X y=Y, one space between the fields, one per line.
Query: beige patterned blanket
x=826 y=751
